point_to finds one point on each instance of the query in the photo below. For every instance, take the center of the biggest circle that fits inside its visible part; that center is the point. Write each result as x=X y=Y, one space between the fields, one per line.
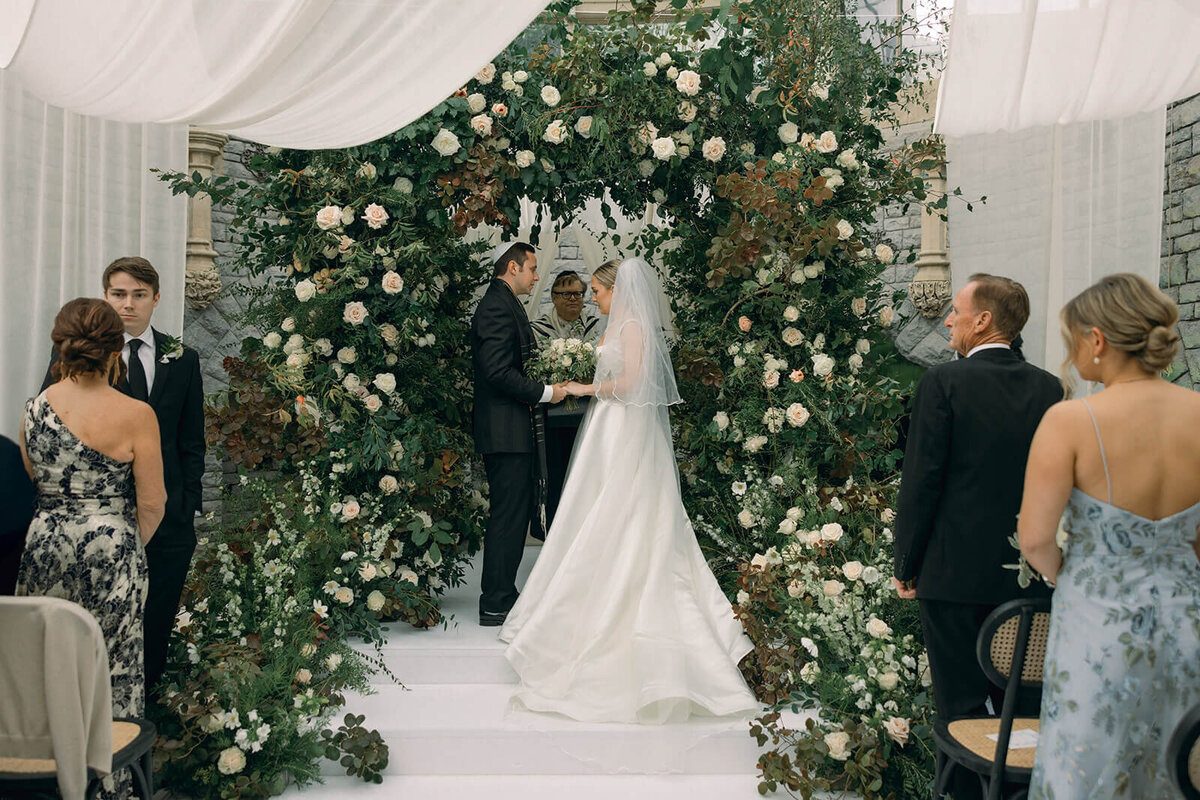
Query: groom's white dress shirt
x=145 y=354
x=989 y=346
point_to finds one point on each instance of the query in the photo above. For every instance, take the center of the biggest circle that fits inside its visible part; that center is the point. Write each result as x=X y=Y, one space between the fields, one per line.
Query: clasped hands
x=572 y=388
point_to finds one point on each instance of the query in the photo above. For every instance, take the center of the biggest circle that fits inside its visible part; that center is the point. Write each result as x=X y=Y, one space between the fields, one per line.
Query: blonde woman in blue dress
x=1123 y=658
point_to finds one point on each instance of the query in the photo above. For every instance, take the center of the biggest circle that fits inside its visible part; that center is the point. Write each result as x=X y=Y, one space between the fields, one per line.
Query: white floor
x=451 y=734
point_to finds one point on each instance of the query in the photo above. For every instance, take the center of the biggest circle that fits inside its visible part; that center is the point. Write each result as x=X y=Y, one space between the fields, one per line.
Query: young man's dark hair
x=518 y=252
x=135 y=267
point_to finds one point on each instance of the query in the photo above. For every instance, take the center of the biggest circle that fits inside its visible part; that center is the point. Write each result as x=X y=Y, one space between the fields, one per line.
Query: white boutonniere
x=172 y=349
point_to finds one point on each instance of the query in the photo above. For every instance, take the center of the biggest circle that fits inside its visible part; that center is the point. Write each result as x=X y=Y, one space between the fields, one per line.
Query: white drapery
x=76 y=193
x=294 y=73
x=1015 y=64
x=1066 y=205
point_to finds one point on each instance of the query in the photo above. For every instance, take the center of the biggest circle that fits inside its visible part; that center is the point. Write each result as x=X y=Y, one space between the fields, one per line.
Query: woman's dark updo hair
x=87 y=332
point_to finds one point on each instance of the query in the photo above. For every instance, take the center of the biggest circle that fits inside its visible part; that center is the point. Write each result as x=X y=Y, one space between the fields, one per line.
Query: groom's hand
x=560 y=393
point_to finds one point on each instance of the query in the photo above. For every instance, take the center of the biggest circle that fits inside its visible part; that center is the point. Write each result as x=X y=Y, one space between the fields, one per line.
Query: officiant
x=568 y=319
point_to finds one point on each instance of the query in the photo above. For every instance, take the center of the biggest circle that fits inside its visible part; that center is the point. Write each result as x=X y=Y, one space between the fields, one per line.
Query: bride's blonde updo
x=1134 y=316
x=606 y=273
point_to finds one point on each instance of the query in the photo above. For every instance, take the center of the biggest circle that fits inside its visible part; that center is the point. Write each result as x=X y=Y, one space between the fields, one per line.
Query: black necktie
x=137 y=373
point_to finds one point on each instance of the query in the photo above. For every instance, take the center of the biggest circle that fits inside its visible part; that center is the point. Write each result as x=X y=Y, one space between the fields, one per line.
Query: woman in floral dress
x=94 y=457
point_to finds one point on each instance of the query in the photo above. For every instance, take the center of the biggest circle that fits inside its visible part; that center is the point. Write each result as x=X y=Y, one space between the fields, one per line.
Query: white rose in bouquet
x=524 y=158
x=333 y=661
x=688 y=82
x=884 y=253
x=871 y=574
x=792 y=337
x=476 y=103
x=303 y=675
x=826 y=142
x=445 y=143
x=831 y=532
x=743 y=597
x=797 y=415
x=385 y=382
x=555 y=132
x=787 y=526
x=822 y=365
x=367 y=571
x=839 y=745
x=482 y=124
x=795 y=588
x=847 y=159
x=375 y=216
x=391 y=282
x=352 y=383
x=713 y=149
x=898 y=729
x=305 y=290
x=818 y=342
x=375 y=600
x=347 y=355
x=853 y=570
x=687 y=112
x=877 y=628
x=329 y=217
x=583 y=126
x=231 y=761
x=833 y=178
x=832 y=588
x=297 y=360
x=408 y=576
x=770 y=379
x=788 y=132
x=355 y=313
x=373 y=403
x=323 y=346
x=845 y=229
x=487 y=74
x=663 y=148
x=755 y=443
x=272 y=340
x=672 y=73
x=550 y=96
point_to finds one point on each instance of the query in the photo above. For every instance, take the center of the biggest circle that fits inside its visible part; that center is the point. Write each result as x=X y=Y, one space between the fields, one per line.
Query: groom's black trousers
x=510 y=481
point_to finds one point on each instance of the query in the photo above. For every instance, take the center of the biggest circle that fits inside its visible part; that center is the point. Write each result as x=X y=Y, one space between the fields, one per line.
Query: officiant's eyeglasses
x=568 y=295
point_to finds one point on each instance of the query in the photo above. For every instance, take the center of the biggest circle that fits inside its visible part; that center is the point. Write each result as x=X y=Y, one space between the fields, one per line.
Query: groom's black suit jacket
x=177 y=397
x=964 y=473
x=504 y=396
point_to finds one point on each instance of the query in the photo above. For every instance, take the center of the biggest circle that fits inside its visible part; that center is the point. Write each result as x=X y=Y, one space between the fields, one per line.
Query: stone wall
x=1179 y=272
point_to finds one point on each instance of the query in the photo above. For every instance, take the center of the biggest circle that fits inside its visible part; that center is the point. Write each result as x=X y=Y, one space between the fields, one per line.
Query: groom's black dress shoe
x=492 y=619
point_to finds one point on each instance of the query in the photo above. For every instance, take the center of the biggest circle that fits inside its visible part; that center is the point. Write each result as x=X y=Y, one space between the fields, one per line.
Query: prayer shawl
x=551 y=326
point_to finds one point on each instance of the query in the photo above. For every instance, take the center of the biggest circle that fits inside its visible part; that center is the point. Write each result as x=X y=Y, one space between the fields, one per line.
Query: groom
x=166 y=375
x=505 y=400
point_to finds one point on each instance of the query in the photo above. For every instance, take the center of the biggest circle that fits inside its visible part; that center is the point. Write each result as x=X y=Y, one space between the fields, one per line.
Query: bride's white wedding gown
x=621 y=619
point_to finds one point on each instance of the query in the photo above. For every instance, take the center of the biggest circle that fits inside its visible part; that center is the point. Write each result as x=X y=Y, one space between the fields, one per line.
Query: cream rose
x=329 y=217
x=884 y=253
x=688 y=82
x=788 y=132
x=722 y=420
x=385 y=382
x=375 y=600
x=745 y=518
x=391 y=282
x=333 y=661
x=792 y=337
x=887 y=315
x=555 y=132
x=787 y=526
x=663 y=59
x=272 y=340
x=888 y=681
x=797 y=415
x=524 y=158
x=476 y=103
x=649 y=69
x=859 y=306
x=871 y=574
x=687 y=112
x=373 y=403
x=770 y=379
x=482 y=124
x=403 y=185
x=347 y=355
x=877 y=628
x=520 y=76
x=487 y=74
x=831 y=532
x=445 y=143
x=231 y=761
x=713 y=149
x=838 y=743
x=672 y=73
x=288 y=325
x=826 y=142
x=303 y=675
x=583 y=126
x=832 y=588
x=822 y=365
x=499 y=109
x=898 y=729
x=862 y=347
x=367 y=571
x=853 y=570
x=847 y=159
x=795 y=588
x=663 y=148
x=744 y=324
x=305 y=290
x=355 y=313
x=351 y=509
x=375 y=216
x=550 y=96
x=844 y=229
x=791 y=314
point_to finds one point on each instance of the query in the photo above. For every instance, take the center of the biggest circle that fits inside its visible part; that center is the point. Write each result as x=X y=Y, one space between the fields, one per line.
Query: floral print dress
x=83 y=545
x=1123 y=658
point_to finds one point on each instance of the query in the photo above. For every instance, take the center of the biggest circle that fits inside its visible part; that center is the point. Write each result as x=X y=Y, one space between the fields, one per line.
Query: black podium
x=562 y=426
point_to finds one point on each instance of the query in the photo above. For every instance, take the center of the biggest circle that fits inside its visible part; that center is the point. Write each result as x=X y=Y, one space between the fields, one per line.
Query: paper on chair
x=1020 y=740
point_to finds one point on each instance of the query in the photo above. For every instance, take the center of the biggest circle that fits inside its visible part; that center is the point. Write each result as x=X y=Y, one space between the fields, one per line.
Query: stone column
x=929 y=291
x=203 y=283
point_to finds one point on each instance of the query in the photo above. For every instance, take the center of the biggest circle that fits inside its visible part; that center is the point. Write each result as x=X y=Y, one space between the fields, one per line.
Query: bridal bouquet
x=564 y=360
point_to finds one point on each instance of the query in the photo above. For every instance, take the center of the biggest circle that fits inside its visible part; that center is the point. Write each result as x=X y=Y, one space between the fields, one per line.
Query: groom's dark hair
x=516 y=253
x=135 y=267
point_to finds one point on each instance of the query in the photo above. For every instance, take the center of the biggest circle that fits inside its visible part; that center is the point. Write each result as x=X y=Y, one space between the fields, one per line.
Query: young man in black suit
x=505 y=399
x=964 y=472
x=166 y=375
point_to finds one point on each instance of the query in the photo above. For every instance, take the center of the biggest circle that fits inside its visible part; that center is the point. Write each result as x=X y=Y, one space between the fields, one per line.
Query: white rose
x=649 y=69
x=845 y=229
x=329 y=217
x=445 y=142
x=770 y=379
x=738 y=361
x=308 y=650
x=854 y=362
x=810 y=671
x=886 y=316
x=344 y=595
x=333 y=661
x=877 y=628
x=797 y=415
x=791 y=314
x=847 y=159
x=272 y=340
x=838 y=743
x=722 y=420
x=392 y=283
x=831 y=532
x=832 y=588
x=305 y=290
x=818 y=342
x=888 y=681
x=672 y=73
x=388 y=484
x=794 y=513
x=482 y=124
x=583 y=126
x=367 y=571
x=646 y=167
x=550 y=96
x=347 y=355
x=822 y=365
x=871 y=574
x=853 y=570
x=862 y=346
x=827 y=142
x=288 y=325
x=884 y=253
x=351 y=509
x=385 y=382
x=787 y=526
x=819 y=91
x=663 y=59
x=713 y=149
x=859 y=306
x=788 y=132
x=738 y=488
x=743 y=597
x=687 y=113
x=795 y=588
x=355 y=313
x=476 y=102
x=375 y=600
x=777 y=158
x=373 y=403
x=389 y=333
x=487 y=74
x=353 y=384
x=809 y=538
x=303 y=675
x=688 y=83
x=231 y=761
x=555 y=132
x=833 y=177
x=407 y=575
x=297 y=360
x=897 y=728
x=745 y=518
x=375 y=216
x=811 y=270
x=792 y=337
x=524 y=158
x=663 y=147
x=403 y=185
x=647 y=133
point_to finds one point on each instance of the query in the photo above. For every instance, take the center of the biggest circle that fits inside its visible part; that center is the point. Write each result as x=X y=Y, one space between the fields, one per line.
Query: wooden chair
x=1183 y=755
x=1011 y=649
x=62 y=699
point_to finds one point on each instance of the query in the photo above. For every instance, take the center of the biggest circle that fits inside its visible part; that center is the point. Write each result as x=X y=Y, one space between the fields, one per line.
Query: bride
x=621 y=619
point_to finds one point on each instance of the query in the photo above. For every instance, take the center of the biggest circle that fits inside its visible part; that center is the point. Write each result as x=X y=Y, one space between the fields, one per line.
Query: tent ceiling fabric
x=306 y=74
x=1015 y=64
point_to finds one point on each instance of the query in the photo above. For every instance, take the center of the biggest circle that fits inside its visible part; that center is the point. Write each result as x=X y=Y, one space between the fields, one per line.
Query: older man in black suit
x=964 y=472
x=165 y=374
x=505 y=399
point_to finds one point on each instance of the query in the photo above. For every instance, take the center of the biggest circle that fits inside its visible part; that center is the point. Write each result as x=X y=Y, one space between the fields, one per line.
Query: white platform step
x=538 y=787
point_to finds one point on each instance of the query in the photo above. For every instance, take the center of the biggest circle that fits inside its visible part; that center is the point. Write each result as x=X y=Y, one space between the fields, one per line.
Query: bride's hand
x=576 y=389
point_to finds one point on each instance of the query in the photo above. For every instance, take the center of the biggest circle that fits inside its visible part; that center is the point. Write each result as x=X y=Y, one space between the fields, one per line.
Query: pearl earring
x=1095 y=359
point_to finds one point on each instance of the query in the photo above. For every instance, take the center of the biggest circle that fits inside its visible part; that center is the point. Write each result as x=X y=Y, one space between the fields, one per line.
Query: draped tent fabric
x=305 y=74
x=1015 y=64
x=75 y=193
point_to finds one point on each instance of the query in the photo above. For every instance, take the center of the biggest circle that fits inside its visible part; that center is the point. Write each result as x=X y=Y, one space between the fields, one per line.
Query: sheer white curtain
x=293 y=73
x=1016 y=64
x=75 y=193
x=1066 y=205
